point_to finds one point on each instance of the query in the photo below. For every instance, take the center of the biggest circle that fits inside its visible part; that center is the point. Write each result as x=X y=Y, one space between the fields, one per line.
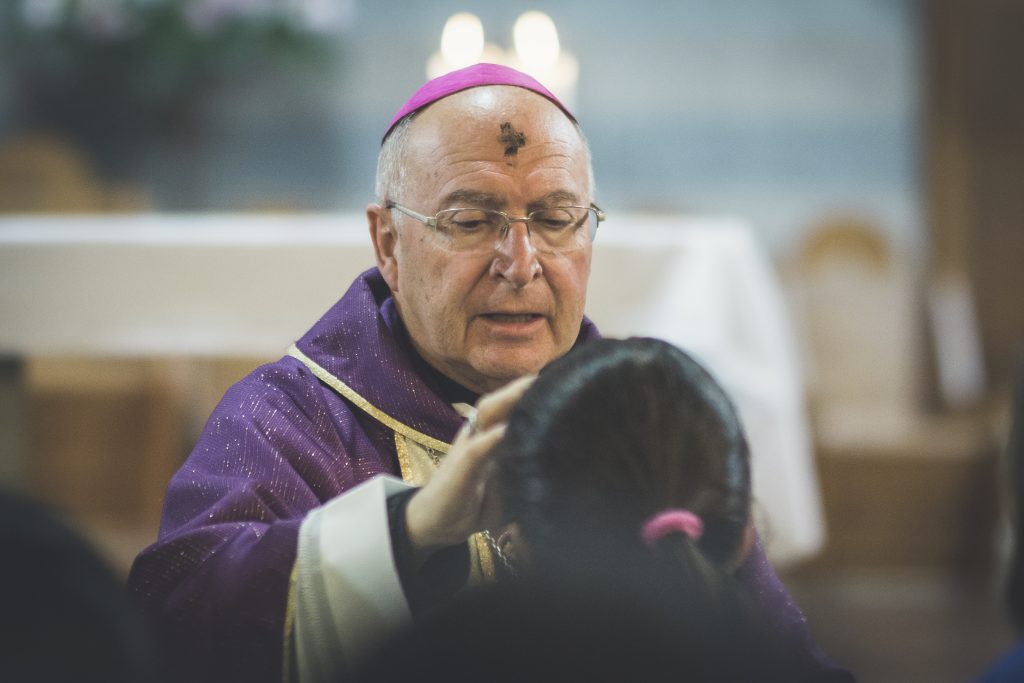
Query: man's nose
x=516 y=258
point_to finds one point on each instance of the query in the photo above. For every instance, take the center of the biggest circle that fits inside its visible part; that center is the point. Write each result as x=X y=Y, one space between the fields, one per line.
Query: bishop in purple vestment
x=281 y=554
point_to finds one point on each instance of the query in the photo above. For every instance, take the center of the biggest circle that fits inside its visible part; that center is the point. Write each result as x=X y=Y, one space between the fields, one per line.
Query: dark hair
x=607 y=436
x=613 y=433
x=610 y=435
x=531 y=630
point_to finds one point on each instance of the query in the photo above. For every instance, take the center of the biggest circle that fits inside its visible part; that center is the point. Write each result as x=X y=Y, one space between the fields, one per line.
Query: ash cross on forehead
x=511 y=138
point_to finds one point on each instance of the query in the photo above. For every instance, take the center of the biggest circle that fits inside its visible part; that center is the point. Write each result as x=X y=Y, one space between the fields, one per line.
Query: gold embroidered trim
x=485 y=556
x=289 y=627
x=360 y=402
x=403 y=458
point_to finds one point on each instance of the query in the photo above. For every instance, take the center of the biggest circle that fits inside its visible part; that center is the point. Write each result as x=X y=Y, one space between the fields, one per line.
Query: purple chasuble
x=280 y=444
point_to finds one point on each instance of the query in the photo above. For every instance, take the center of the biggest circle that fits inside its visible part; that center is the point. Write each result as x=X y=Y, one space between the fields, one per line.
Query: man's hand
x=458 y=500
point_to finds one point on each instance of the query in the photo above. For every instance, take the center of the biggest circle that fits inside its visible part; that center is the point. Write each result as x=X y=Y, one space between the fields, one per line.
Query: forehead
x=497 y=133
x=466 y=110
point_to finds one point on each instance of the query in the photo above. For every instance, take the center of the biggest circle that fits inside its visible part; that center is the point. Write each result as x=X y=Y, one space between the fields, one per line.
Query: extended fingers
x=472 y=448
x=484 y=441
x=448 y=507
x=495 y=407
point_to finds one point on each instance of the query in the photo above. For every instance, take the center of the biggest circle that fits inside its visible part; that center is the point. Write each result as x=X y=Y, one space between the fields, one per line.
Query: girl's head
x=608 y=437
x=604 y=440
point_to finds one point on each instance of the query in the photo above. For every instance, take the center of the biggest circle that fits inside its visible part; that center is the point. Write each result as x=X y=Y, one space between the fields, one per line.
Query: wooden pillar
x=974 y=165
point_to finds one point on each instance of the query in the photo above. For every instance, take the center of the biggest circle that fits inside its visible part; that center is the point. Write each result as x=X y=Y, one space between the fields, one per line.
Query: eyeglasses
x=557 y=229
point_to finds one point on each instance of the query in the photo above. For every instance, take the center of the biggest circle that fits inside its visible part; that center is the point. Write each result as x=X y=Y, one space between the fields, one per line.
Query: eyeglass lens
x=551 y=230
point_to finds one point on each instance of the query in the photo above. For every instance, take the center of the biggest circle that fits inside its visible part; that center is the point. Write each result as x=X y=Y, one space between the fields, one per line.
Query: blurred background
x=875 y=149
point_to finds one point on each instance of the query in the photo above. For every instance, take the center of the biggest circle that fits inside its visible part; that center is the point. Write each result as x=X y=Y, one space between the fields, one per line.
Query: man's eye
x=470 y=225
x=557 y=220
x=472 y=221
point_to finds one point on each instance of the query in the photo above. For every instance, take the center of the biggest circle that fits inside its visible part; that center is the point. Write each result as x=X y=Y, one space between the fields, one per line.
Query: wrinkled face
x=484 y=319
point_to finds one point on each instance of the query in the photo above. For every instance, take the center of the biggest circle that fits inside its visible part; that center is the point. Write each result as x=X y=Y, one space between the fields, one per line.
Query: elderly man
x=280 y=552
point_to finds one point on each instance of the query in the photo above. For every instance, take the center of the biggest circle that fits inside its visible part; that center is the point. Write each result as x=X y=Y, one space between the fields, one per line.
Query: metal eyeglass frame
x=431 y=221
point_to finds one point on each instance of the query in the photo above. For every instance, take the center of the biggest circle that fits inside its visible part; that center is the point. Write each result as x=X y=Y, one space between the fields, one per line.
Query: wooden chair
x=42 y=173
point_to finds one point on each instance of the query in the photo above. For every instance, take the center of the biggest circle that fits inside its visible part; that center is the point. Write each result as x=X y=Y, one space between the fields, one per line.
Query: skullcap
x=470 y=77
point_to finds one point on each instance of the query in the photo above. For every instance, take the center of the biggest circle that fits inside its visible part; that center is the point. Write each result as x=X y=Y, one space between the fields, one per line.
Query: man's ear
x=385 y=243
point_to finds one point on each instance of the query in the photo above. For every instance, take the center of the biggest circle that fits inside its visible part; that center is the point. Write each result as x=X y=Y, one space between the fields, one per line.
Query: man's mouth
x=512 y=317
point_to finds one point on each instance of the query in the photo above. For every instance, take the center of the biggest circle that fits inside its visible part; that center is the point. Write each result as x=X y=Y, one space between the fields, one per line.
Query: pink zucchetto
x=471 y=77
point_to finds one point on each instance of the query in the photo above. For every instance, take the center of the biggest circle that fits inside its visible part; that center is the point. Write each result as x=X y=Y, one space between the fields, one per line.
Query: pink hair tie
x=672 y=521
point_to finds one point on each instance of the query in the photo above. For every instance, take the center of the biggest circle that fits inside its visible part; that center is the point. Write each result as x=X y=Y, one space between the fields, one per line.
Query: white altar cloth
x=248 y=285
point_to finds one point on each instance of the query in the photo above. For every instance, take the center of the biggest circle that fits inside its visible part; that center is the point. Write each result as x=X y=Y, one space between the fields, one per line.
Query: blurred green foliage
x=155 y=52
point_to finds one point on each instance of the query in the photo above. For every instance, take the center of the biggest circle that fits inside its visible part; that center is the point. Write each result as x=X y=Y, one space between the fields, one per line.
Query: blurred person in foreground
x=623 y=484
x=64 y=615
x=1010 y=667
x=281 y=552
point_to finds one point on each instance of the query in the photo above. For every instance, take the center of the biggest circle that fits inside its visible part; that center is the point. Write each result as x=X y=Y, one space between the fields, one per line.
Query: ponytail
x=673 y=542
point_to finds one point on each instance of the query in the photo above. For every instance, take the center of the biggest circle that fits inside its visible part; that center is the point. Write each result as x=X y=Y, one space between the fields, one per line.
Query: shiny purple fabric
x=470 y=77
x=783 y=616
x=279 y=444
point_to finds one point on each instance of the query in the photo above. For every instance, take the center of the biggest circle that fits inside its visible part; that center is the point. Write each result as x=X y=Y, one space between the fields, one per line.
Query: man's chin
x=499 y=367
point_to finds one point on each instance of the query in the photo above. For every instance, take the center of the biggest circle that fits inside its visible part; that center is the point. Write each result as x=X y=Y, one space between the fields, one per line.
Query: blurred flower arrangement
x=129 y=86
x=157 y=50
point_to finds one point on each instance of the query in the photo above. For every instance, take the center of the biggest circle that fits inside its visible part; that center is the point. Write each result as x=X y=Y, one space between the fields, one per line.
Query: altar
x=223 y=285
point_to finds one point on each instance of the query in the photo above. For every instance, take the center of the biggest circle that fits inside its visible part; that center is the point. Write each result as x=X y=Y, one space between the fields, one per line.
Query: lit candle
x=537 y=51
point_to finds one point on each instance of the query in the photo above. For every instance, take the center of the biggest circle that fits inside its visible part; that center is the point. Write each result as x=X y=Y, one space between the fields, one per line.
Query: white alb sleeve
x=347 y=596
